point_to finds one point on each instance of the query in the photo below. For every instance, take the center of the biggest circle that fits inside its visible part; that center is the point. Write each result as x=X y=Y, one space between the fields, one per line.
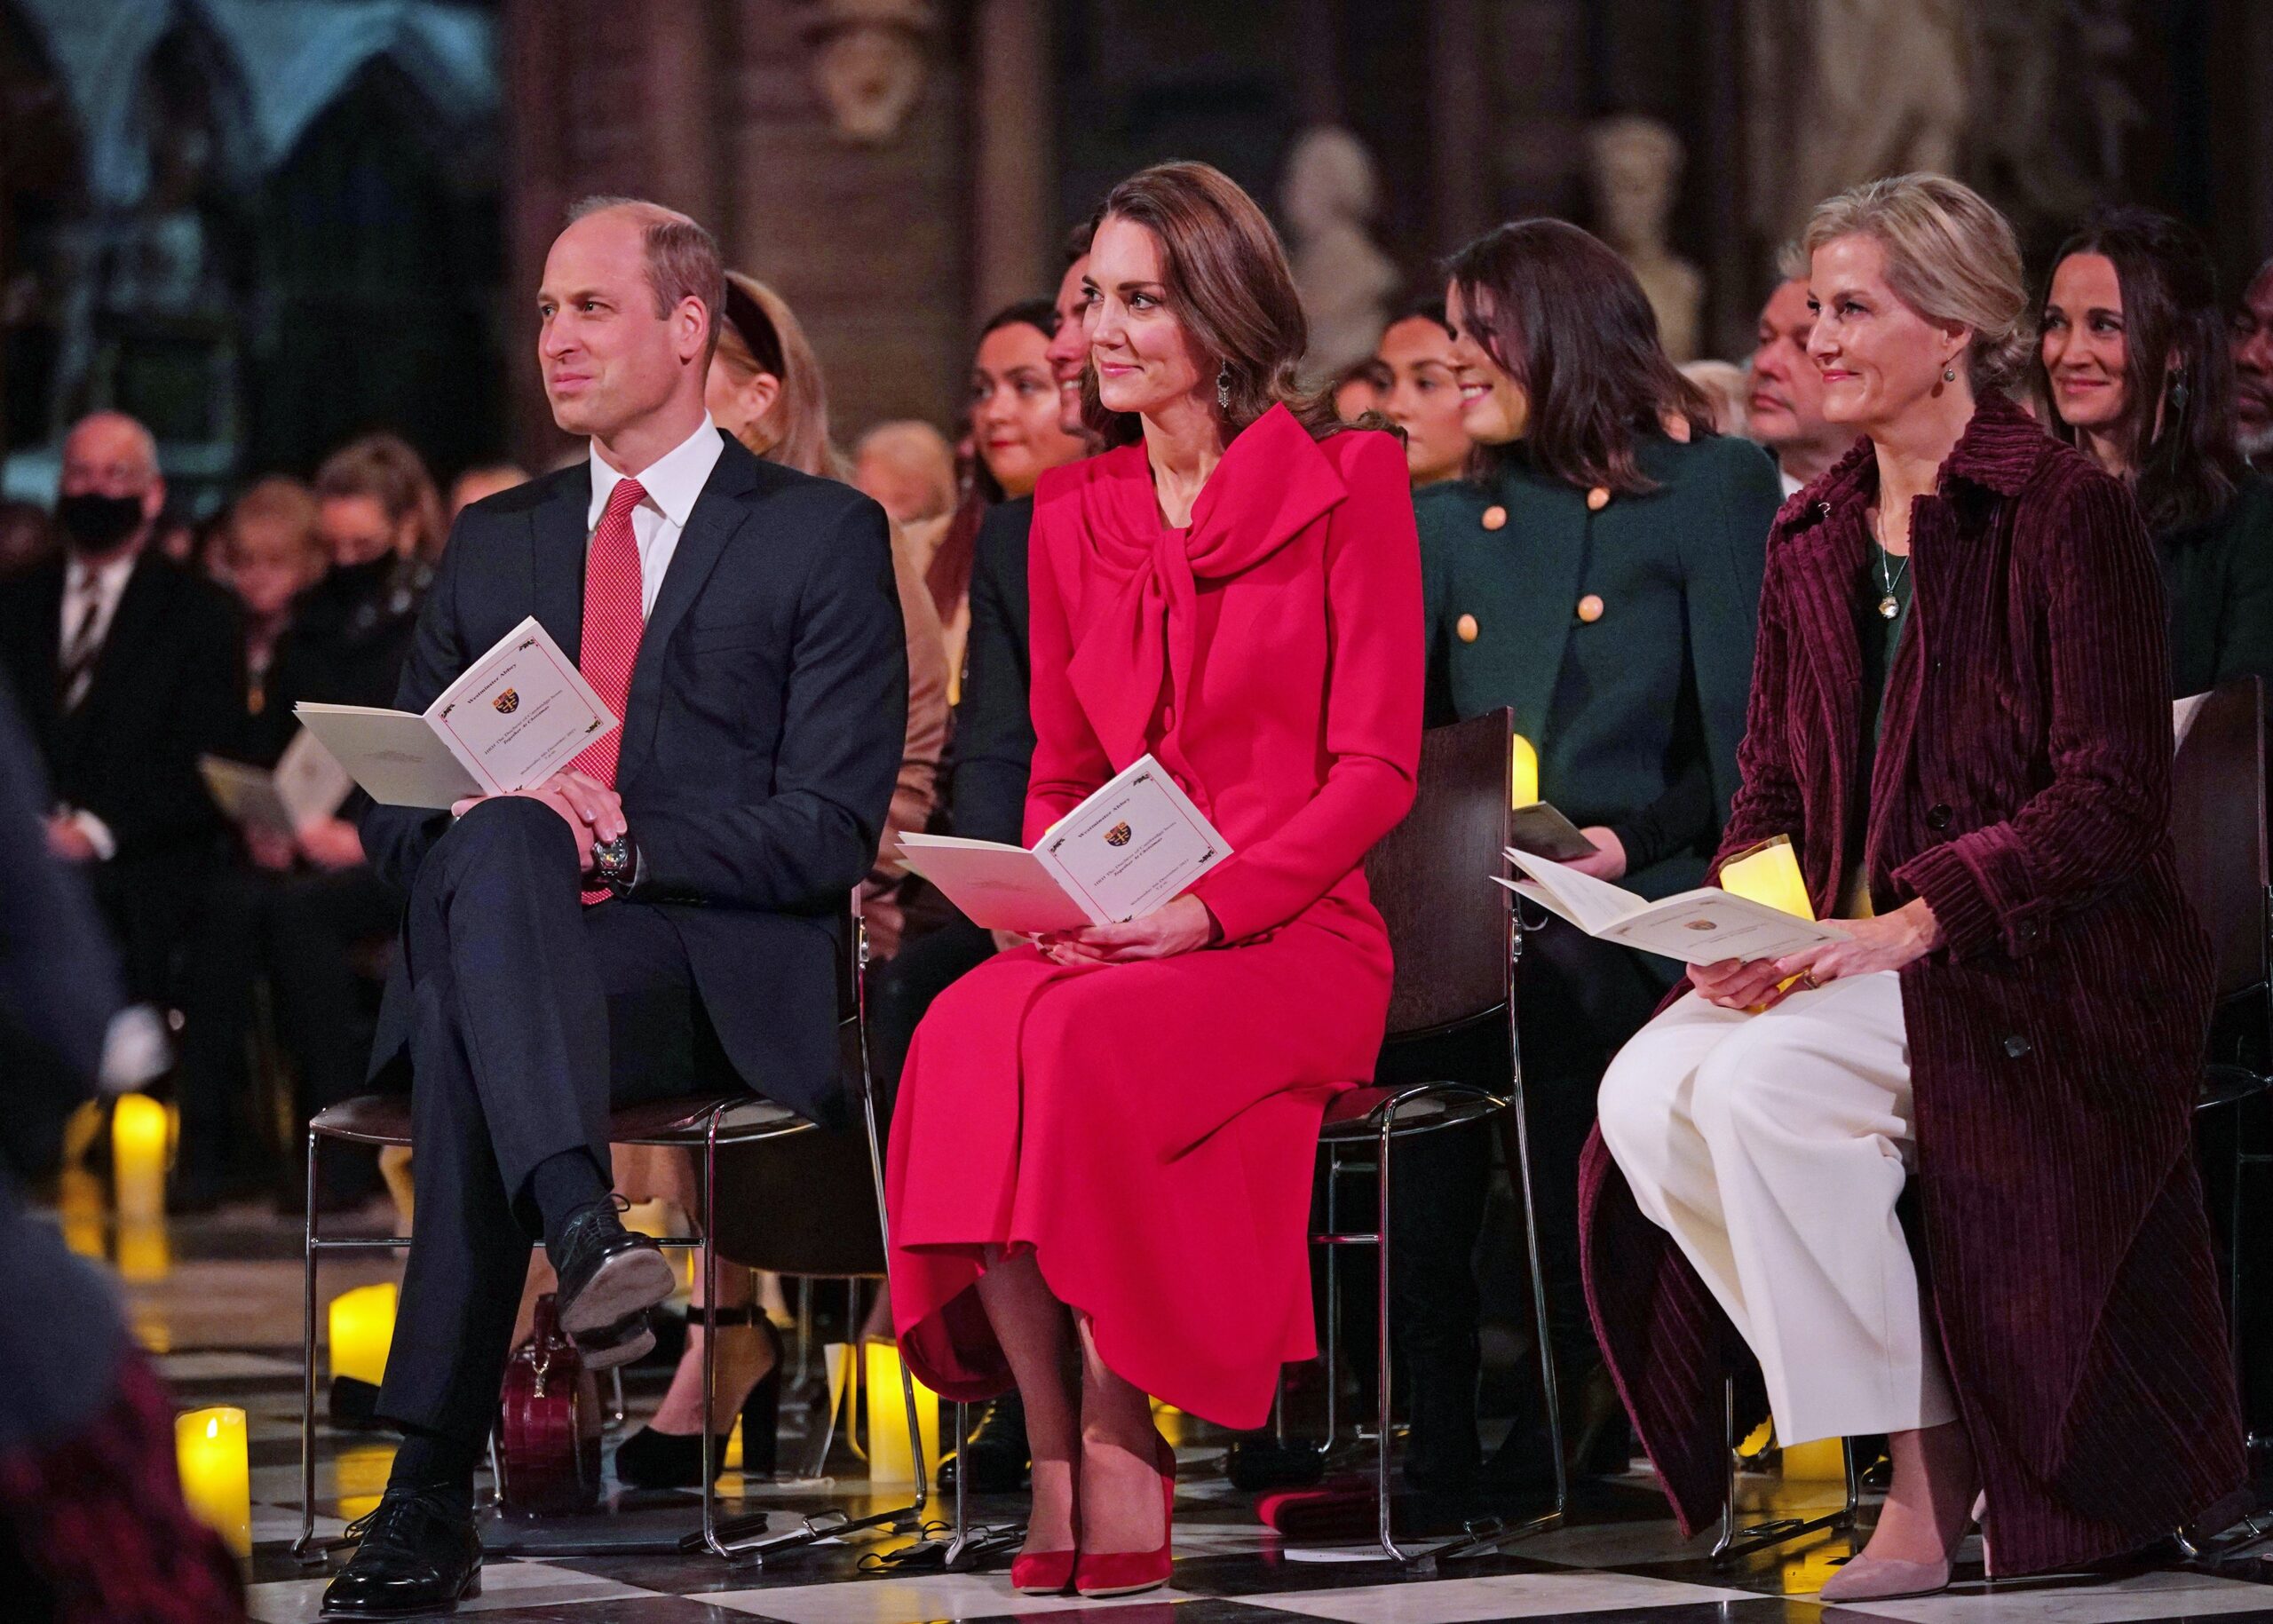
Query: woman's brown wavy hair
x=1227 y=281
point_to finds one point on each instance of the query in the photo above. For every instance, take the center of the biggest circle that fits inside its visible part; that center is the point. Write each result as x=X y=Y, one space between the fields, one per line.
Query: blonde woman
x=1959 y=717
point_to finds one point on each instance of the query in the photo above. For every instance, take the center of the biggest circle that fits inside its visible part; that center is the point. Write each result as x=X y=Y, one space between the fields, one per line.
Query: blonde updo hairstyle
x=761 y=333
x=1950 y=256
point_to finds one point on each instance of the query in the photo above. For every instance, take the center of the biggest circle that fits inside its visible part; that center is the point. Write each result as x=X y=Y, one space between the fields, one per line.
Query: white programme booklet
x=512 y=719
x=1136 y=844
x=306 y=784
x=1698 y=927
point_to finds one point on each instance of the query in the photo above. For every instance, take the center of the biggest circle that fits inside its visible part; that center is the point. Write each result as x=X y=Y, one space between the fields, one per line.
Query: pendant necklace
x=1890 y=605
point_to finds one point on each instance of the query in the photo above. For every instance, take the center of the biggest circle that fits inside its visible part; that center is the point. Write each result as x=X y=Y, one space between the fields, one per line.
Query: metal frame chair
x=2220 y=832
x=697 y=1122
x=1457 y=943
x=1734 y=1541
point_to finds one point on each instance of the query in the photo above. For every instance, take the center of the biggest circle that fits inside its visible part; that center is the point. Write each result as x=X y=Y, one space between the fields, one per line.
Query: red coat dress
x=1149 y=1129
x=2022 y=787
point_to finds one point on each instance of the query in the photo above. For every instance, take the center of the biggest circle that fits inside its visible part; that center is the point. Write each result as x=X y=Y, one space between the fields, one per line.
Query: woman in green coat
x=1599 y=573
x=2134 y=358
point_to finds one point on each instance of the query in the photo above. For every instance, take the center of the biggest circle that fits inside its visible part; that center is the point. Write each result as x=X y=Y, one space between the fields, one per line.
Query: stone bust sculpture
x=1329 y=198
x=1635 y=166
x=868 y=62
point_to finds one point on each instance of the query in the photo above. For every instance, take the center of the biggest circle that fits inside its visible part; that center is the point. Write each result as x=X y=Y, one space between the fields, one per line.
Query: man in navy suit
x=664 y=914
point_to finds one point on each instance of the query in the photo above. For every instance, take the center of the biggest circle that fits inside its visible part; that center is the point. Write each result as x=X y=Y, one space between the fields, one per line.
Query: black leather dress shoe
x=418 y=1554
x=609 y=1278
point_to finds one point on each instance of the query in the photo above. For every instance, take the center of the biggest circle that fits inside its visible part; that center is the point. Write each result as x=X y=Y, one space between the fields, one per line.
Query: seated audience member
x=27 y=538
x=1016 y=438
x=2136 y=363
x=92 y=1525
x=2005 y=1046
x=767 y=389
x=1783 y=410
x=909 y=468
x=484 y=479
x=2252 y=335
x=302 y=914
x=1725 y=386
x=991 y=755
x=594 y=942
x=1102 y=1151
x=127 y=667
x=1362 y=387
x=272 y=554
x=1423 y=397
x=1599 y=578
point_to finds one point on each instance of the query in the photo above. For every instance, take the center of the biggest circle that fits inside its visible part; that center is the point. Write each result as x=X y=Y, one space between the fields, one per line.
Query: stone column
x=683 y=139
x=1013 y=213
x=1460 y=128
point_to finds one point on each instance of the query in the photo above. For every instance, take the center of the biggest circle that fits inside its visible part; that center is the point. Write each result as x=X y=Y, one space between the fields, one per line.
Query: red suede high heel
x=1046 y=1573
x=1125 y=1573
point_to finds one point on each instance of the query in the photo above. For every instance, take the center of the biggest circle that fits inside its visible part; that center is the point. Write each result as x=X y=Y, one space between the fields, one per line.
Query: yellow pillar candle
x=362 y=1329
x=1770 y=874
x=138 y=1154
x=1522 y=785
x=891 y=1457
x=210 y=1450
x=143 y=1253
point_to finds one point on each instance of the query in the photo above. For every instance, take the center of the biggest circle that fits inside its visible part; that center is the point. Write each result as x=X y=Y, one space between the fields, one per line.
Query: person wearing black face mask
x=126 y=666
x=298 y=917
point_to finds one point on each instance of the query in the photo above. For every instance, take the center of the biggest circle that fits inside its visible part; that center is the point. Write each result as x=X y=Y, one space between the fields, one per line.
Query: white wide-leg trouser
x=1772 y=1148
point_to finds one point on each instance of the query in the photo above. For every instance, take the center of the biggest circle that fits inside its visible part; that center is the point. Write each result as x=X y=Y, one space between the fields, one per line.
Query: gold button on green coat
x=1466 y=629
x=1495 y=516
x=1590 y=608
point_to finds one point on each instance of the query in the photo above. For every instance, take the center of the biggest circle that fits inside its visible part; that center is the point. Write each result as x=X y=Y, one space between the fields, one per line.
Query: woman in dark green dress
x=1599 y=573
x=2134 y=358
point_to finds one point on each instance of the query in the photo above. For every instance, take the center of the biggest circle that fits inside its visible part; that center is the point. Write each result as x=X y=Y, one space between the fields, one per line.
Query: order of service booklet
x=1135 y=845
x=306 y=784
x=512 y=719
x=1698 y=927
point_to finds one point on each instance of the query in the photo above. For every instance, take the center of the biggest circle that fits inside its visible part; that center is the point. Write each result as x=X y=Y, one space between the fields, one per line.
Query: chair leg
x=300 y=1546
x=744 y=1538
x=1383 y=1428
x=1735 y=1541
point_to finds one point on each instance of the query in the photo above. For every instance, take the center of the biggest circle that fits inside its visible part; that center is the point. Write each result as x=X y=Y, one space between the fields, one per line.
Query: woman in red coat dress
x=1960 y=716
x=1108 y=1137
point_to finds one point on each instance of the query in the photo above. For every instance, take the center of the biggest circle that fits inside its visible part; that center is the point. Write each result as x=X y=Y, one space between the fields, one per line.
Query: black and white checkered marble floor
x=1621 y=1559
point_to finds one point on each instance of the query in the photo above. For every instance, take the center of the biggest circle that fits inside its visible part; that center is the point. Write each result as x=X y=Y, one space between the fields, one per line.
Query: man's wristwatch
x=616 y=863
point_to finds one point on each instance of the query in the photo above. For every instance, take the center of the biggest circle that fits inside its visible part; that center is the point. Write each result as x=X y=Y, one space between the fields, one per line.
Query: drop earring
x=2179 y=393
x=1949 y=375
x=1223 y=386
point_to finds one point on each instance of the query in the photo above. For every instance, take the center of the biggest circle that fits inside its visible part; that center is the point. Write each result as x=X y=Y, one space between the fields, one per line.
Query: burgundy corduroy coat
x=2021 y=787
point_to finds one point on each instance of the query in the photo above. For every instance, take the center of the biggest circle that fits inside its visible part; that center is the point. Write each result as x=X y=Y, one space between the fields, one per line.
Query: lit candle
x=1523 y=774
x=890 y=1458
x=209 y=1449
x=137 y=1153
x=1768 y=874
x=363 y=1329
x=143 y=1255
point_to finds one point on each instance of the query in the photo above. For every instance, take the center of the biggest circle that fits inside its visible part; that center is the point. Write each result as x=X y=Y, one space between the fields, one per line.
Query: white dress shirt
x=672 y=482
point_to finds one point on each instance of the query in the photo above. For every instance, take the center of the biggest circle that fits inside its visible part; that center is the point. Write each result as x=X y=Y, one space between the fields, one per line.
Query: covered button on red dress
x=1148 y=1129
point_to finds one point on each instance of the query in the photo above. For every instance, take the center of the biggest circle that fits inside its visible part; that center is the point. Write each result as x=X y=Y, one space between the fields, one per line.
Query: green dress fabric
x=2218 y=585
x=1619 y=631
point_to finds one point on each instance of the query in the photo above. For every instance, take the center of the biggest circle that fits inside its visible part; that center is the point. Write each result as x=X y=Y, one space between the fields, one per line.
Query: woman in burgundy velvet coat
x=1106 y=1139
x=1960 y=719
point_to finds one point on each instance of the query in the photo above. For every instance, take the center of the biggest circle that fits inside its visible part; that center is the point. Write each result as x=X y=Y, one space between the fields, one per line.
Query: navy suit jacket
x=761 y=741
x=993 y=736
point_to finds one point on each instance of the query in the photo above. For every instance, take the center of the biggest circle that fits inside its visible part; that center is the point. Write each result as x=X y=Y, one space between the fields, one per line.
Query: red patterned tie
x=614 y=619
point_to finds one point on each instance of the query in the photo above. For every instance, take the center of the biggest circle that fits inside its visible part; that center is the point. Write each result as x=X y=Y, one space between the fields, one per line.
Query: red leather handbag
x=549 y=1427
